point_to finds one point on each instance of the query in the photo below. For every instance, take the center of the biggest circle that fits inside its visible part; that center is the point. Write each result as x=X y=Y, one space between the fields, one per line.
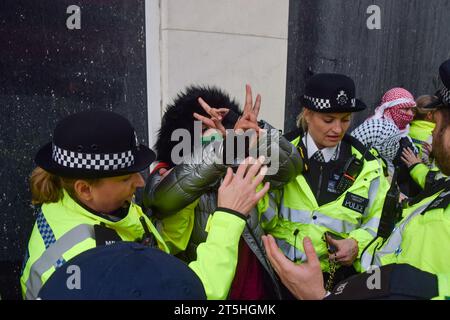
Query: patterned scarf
x=392 y=105
x=399 y=116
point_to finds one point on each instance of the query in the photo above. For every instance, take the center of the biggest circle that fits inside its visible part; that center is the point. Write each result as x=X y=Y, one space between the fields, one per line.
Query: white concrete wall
x=227 y=43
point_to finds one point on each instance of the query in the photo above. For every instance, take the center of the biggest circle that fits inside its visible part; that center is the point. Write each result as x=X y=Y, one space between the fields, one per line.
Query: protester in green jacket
x=83 y=191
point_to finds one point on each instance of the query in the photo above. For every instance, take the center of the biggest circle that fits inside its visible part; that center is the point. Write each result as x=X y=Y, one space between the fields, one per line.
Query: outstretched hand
x=304 y=281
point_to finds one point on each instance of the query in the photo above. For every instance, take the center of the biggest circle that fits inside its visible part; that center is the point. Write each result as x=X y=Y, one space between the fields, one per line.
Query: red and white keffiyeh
x=392 y=105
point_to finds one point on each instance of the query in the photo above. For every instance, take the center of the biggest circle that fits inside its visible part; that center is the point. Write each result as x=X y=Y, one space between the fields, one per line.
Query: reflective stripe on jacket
x=65 y=229
x=293 y=213
x=419 y=239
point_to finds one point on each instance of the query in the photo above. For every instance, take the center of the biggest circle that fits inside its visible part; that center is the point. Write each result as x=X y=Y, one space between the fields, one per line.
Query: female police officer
x=416 y=247
x=84 y=186
x=338 y=199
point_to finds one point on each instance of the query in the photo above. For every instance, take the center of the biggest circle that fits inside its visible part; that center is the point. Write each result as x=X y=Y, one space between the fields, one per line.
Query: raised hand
x=249 y=119
x=216 y=114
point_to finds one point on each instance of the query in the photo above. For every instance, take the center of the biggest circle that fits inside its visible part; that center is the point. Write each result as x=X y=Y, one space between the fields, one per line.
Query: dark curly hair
x=179 y=115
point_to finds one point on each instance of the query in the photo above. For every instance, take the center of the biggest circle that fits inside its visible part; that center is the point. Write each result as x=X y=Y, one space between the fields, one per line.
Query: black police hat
x=94 y=144
x=443 y=94
x=123 y=271
x=331 y=92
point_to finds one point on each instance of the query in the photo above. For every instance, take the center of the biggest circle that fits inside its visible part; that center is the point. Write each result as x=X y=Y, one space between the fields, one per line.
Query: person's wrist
x=355 y=247
x=320 y=295
x=233 y=212
x=412 y=166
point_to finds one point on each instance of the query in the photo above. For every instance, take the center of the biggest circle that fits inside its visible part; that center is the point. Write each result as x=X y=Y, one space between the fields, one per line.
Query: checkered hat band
x=320 y=103
x=445 y=93
x=92 y=161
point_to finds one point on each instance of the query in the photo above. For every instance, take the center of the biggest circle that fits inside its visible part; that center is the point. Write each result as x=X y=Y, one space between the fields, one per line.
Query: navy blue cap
x=123 y=271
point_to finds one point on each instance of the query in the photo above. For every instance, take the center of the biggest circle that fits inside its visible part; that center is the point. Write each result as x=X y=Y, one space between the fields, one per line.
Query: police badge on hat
x=342 y=98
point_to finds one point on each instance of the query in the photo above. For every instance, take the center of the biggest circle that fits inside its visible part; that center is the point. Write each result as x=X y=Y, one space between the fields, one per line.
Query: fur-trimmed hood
x=179 y=115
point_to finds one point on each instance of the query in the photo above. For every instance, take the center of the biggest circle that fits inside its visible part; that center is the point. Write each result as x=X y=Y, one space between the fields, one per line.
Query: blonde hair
x=47 y=187
x=301 y=121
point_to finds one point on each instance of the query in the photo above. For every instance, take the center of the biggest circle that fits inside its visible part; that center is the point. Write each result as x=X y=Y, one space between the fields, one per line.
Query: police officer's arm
x=176 y=229
x=419 y=173
x=424 y=176
x=371 y=217
x=217 y=256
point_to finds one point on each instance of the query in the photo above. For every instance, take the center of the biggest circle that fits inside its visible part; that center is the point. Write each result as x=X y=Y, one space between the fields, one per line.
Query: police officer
x=83 y=191
x=337 y=200
x=419 y=239
x=426 y=221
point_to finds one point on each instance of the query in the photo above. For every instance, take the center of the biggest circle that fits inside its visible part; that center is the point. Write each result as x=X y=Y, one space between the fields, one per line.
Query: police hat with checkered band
x=443 y=94
x=94 y=144
x=331 y=92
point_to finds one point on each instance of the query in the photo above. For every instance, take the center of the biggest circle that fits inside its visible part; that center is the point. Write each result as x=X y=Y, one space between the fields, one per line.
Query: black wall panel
x=47 y=72
x=332 y=36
